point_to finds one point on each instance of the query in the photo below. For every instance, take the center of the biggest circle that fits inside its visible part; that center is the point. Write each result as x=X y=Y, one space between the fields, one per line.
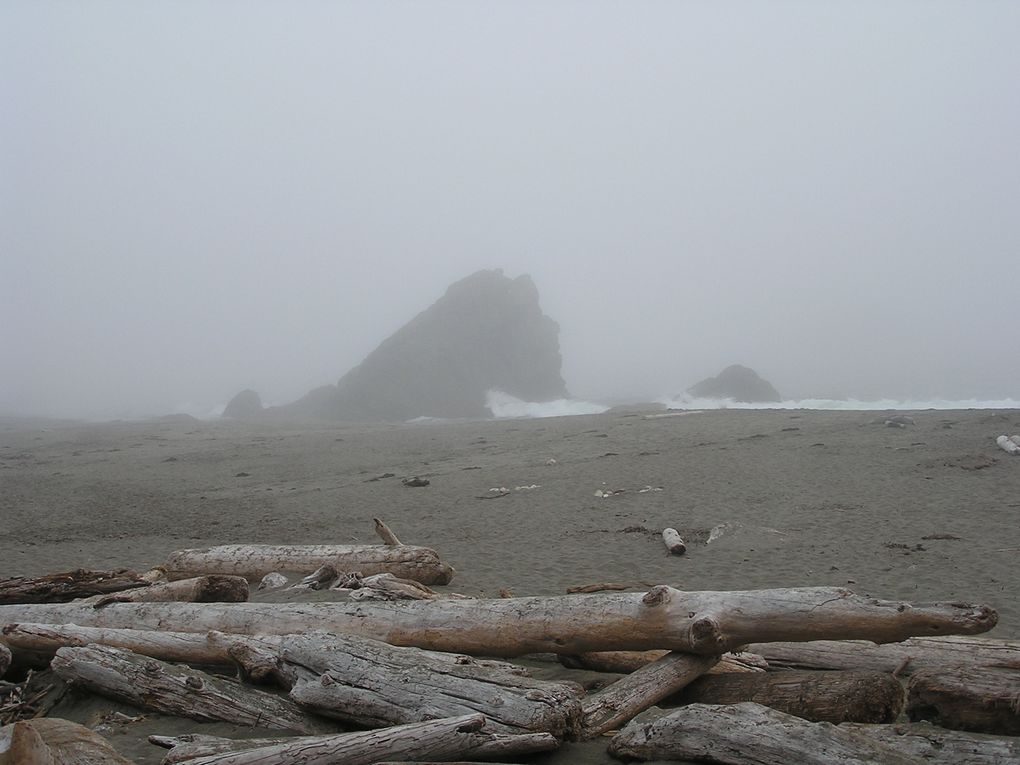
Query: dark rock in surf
x=738 y=383
x=246 y=405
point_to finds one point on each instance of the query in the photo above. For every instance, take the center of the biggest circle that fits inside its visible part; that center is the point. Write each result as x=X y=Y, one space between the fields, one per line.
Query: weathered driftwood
x=750 y=734
x=981 y=700
x=62 y=741
x=938 y=746
x=493 y=746
x=5 y=659
x=707 y=623
x=864 y=697
x=624 y=662
x=320 y=579
x=671 y=538
x=385 y=587
x=1008 y=445
x=67 y=586
x=274 y=580
x=629 y=696
x=445 y=739
x=152 y=684
x=385 y=534
x=255 y=561
x=215 y=588
x=372 y=684
x=901 y=658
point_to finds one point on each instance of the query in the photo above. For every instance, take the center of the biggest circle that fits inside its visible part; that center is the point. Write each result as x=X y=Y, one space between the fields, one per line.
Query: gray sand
x=926 y=512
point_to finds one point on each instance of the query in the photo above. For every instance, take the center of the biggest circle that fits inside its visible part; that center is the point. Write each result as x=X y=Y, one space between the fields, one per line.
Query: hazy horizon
x=199 y=198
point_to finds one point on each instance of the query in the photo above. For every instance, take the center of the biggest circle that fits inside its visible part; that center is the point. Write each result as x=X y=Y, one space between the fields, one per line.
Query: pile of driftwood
x=396 y=671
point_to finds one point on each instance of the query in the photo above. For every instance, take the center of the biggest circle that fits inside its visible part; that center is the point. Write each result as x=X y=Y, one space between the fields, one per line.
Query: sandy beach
x=925 y=512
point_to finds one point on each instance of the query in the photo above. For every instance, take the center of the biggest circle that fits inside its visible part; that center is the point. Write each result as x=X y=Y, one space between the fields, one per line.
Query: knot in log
x=152 y=667
x=656 y=596
x=326 y=680
x=194 y=682
x=705 y=634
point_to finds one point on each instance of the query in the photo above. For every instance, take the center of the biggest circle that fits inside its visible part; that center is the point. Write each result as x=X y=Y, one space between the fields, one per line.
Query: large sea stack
x=738 y=383
x=487 y=332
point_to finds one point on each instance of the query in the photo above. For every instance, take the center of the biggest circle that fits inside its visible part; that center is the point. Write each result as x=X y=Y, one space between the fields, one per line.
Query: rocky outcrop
x=487 y=332
x=246 y=405
x=738 y=383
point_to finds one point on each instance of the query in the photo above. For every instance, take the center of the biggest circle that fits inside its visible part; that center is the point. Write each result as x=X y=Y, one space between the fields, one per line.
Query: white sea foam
x=684 y=402
x=504 y=406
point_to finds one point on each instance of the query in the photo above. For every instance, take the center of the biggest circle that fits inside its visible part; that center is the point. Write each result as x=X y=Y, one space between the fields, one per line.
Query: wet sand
x=926 y=512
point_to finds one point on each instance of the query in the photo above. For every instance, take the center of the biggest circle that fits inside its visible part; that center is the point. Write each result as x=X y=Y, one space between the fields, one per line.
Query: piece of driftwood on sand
x=385 y=533
x=5 y=659
x=57 y=741
x=750 y=734
x=938 y=746
x=671 y=538
x=624 y=662
x=1008 y=445
x=842 y=696
x=255 y=561
x=445 y=739
x=707 y=623
x=385 y=587
x=634 y=693
x=903 y=658
x=152 y=684
x=980 y=700
x=213 y=588
x=372 y=684
x=68 y=586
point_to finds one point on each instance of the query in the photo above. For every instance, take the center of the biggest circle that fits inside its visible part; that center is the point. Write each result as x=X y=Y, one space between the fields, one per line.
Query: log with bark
x=64 y=742
x=938 y=746
x=980 y=700
x=185 y=692
x=903 y=659
x=215 y=588
x=443 y=740
x=255 y=561
x=750 y=734
x=628 y=697
x=624 y=662
x=371 y=684
x=864 y=697
x=68 y=586
x=707 y=623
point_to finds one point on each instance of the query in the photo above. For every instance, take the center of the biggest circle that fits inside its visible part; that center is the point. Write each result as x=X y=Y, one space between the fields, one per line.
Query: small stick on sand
x=673 y=542
x=387 y=536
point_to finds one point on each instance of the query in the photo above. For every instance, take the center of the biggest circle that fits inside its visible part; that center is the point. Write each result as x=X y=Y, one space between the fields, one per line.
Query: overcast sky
x=198 y=197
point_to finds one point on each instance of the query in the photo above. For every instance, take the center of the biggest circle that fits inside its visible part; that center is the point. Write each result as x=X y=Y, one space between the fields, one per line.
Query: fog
x=197 y=198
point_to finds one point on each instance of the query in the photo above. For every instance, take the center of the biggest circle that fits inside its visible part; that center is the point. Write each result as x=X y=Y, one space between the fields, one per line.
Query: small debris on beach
x=415 y=481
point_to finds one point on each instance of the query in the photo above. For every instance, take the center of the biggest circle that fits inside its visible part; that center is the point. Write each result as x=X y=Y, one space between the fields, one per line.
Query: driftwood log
x=443 y=740
x=255 y=561
x=1008 y=445
x=67 y=586
x=750 y=734
x=707 y=623
x=182 y=691
x=671 y=538
x=52 y=740
x=624 y=662
x=385 y=534
x=5 y=659
x=864 y=697
x=938 y=746
x=215 y=588
x=628 y=697
x=901 y=658
x=980 y=700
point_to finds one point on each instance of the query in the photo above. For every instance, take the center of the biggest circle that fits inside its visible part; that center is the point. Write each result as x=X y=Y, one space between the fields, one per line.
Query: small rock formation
x=487 y=332
x=738 y=383
x=246 y=405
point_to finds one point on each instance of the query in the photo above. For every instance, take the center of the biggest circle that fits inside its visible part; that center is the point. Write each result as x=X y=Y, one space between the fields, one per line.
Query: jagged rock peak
x=739 y=383
x=244 y=406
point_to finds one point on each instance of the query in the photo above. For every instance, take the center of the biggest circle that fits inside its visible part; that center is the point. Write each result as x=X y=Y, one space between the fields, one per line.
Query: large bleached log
x=67 y=586
x=624 y=662
x=1008 y=445
x=372 y=684
x=64 y=742
x=902 y=658
x=965 y=698
x=490 y=746
x=750 y=734
x=938 y=746
x=629 y=696
x=707 y=623
x=181 y=691
x=865 y=697
x=443 y=740
x=255 y=561
x=215 y=588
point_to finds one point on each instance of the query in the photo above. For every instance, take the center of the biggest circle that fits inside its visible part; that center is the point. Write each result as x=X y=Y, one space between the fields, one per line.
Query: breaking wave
x=504 y=406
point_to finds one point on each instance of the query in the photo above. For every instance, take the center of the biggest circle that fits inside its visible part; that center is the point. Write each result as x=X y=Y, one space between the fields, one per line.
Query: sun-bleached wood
x=385 y=533
x=842 y=696
x=707 y=623
x=182 y=691
x=629 y=696
x=214 y=588
x=385 y=587
x=1008 y=445
x=492 y=746
x=67 y=586
x=938 y=746
x=624 y=662
x=66 y=743
x=444 y=739
x=904 y=658
x=979 y=700
x=671 y=538
x=255 y=561
x=750 y=734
